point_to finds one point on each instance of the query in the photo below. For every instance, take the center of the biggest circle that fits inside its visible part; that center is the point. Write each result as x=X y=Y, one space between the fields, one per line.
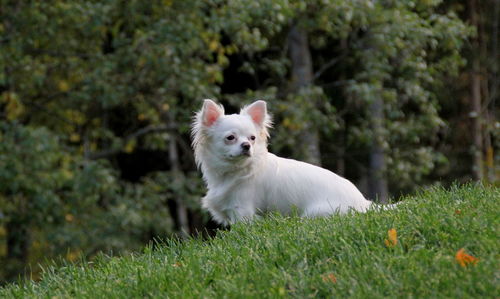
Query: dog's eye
x=230 y=137
x=252 y=137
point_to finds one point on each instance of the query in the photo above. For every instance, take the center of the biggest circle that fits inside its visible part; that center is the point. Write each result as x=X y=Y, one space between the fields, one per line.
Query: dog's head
x=230 y=138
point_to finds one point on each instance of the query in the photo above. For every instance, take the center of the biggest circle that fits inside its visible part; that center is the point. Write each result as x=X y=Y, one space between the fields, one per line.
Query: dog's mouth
x=242 y=155
x=246 y=153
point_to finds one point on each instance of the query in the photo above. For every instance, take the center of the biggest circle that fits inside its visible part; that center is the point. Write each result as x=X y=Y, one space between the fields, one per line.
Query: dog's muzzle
x=245 y=148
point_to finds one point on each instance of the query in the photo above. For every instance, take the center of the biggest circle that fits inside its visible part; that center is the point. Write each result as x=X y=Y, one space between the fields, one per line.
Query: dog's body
x=244 y=179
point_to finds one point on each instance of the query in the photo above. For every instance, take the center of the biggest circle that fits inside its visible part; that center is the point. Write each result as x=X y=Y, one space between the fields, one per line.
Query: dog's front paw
x=220 y=217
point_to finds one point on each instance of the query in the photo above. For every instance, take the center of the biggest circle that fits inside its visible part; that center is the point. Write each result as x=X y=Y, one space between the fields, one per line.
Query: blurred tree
x=400 y=70
x=302 y=78
x=483 y=66
x=40 y=185
x=28 y=195
x=392 y=58
x=476 y=113
x=107 y=79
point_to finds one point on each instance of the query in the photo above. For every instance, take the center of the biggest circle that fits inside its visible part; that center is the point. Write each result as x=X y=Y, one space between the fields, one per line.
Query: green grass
x=292 y=257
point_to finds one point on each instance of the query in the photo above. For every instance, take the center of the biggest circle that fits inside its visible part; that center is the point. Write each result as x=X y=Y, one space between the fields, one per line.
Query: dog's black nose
x=245 y=146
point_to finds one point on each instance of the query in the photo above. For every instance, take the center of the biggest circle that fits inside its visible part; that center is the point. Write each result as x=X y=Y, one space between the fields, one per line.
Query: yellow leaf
x=287 y=122
x=177 y=264
x=63 y=85
x=76 y=116
x=213 y=45
x=222 y=59
x=129 y=147
x=13 y=108
x=73 y=255
x=464 y=259
x=69 y=217
x=231 y=49
x=67 y=174
x=74 y=137
x=393 y=238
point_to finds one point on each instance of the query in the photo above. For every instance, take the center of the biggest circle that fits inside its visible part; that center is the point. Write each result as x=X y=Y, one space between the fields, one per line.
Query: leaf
x=69 y=217
x=329 y=278
x=213 y=45
x=13 y=108
x=74 y=137
x=177 y=264
x=464 y=259
x=63 y=85
x=393 y=238
x=130 y=146
x=73 y=255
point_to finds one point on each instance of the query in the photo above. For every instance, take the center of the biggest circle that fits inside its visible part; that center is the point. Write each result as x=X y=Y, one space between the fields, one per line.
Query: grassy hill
x=338 y=256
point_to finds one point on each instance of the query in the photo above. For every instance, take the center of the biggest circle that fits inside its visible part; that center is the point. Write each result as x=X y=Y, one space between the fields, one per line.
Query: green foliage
x=71 y=206
x=398 y=64
x=29 y=192
x=341 y=256
x=399 y=52
x=41 y=184
x=157 y=60
x=82 y=81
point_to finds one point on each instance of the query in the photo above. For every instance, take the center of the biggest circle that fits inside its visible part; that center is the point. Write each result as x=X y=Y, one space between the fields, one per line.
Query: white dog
x=244 y=179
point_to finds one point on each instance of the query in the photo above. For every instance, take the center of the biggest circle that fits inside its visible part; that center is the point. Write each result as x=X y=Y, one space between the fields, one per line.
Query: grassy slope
x=291 y=256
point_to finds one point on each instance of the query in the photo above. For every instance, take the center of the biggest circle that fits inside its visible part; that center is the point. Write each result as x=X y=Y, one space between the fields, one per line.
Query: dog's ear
x=258 y=112
x=210 y=112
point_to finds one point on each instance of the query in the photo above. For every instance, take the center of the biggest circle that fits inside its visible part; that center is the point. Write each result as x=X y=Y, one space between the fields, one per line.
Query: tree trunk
x=18 y=242
x=340 y=165
x=477 y=144
x=491 y=85
x=378 y=189
x=181 y=212
x=341 y=148
x=302 y=76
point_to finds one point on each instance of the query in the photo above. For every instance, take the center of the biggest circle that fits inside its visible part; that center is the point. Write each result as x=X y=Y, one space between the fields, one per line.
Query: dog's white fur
x=244 y=182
